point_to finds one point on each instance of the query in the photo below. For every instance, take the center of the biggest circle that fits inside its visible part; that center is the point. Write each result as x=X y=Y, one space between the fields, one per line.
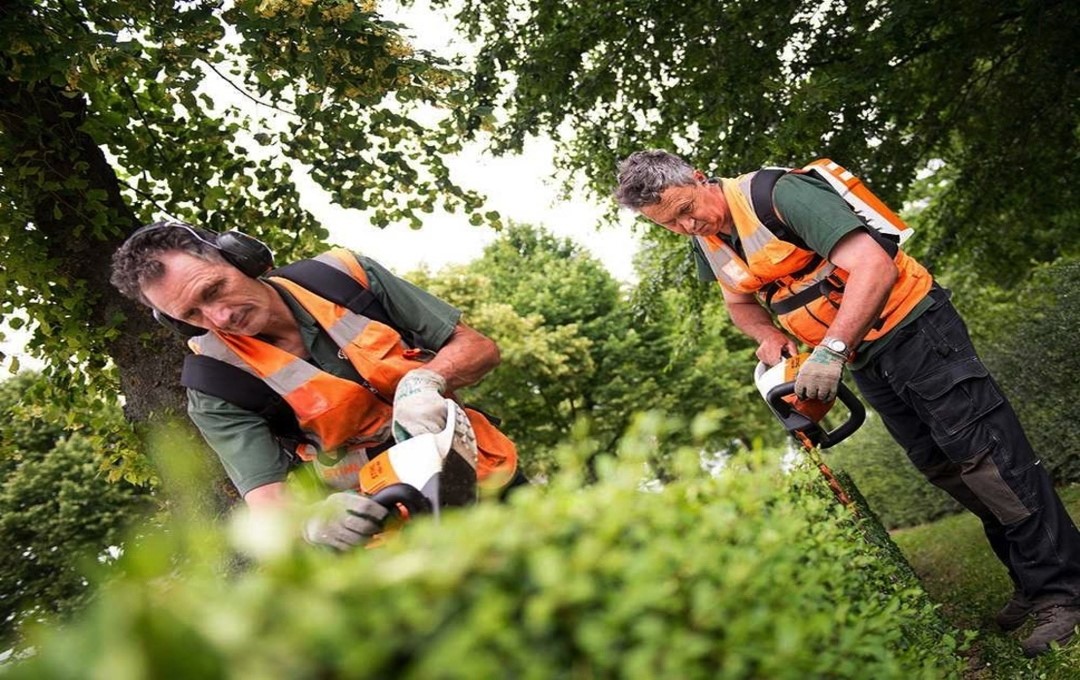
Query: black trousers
x=939 y=402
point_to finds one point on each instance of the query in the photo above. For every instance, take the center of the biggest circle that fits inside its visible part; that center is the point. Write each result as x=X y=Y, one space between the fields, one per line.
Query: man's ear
x=699 y=176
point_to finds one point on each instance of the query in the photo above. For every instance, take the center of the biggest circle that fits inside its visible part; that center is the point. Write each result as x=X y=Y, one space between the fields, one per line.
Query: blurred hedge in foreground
x=753 y=574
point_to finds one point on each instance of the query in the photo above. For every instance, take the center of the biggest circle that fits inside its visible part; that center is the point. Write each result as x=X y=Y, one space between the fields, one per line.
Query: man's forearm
x=466 y=358
x=865 y=294
x=755 y=321
x=871 y=277
x=269 y=496
x=752 y=319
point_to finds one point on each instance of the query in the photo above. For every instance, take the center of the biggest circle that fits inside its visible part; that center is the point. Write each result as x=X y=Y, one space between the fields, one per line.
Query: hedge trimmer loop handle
x=824 y=439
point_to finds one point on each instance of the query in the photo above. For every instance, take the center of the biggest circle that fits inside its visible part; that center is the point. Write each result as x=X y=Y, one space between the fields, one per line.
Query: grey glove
x=419 y=406
x=819 y=376
x=344 y=520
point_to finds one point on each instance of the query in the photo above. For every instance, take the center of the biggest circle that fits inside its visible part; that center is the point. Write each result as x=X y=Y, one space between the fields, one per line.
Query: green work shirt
x=243 y=441
x=820 y=218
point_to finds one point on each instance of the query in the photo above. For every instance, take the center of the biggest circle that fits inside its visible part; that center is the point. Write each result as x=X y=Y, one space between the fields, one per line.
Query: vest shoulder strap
x=240 y=388
x=762 y=185
x=342 y=289
x=335 y=286
x=762 y=195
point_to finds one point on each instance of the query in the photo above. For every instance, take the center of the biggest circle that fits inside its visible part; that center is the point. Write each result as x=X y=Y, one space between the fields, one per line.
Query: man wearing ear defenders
x=785 y=243
x=323 y=361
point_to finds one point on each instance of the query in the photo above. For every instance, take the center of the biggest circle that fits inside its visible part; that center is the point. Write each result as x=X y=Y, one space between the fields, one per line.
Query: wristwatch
x=836 y=345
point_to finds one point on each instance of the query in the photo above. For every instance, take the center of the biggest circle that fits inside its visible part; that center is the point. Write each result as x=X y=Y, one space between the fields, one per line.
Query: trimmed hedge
x=752 y=574
x=1033 y=356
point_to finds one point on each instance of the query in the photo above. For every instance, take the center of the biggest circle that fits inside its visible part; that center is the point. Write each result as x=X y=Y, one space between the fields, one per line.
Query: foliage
x=114 y=113
x=57 y=510
x=574 y=347
x=23 y=425
x=605 y=580
x=1033 y=359
x=885 y=88
x=958 y=570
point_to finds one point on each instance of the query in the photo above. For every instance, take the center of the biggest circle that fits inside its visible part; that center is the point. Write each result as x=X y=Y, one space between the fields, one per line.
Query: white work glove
x=344 y=520
x=819 y=376
x=419 y=405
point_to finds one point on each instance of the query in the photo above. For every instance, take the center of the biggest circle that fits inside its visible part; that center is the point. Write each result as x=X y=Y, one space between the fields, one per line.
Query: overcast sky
x=521 y=188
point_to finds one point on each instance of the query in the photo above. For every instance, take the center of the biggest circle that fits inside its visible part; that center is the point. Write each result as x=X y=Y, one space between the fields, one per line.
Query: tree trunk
x=45 y=119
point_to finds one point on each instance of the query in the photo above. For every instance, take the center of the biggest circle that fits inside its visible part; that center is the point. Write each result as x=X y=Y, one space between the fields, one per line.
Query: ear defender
x=181 y=328
x=250 y=255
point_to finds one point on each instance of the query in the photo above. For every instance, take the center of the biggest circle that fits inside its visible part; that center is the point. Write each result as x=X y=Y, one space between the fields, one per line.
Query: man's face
x=211 y=295
x=696 y=210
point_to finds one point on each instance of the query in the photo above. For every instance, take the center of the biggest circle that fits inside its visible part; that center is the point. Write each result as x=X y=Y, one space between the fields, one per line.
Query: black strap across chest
x=762 y=185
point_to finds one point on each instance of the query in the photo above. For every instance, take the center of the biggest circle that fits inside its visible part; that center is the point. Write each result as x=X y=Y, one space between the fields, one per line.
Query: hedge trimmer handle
x=396 y=496
x=794 y=420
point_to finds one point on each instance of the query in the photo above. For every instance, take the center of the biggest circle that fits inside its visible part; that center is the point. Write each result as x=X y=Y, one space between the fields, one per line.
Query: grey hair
x=644 y=175
x=138 y=261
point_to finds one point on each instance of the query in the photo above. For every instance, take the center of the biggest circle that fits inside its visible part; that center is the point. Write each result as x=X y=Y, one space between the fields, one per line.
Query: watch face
x=838 y=346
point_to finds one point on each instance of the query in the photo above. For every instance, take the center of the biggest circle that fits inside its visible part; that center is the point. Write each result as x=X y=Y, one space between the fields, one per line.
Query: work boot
x=1014 y=613
x=1056 y=623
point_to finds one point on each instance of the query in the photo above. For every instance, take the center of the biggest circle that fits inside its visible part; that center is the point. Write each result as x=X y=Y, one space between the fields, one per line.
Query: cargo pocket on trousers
x=956 y=396
x=984 y=475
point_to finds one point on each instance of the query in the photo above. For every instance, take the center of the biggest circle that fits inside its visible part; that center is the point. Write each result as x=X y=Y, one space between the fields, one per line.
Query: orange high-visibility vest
x=335 y=412
x=776 y=271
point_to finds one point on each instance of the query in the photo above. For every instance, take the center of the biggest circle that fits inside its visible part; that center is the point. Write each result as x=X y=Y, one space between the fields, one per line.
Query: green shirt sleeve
x=814 y=211
x=242 y=440
x=411 y=308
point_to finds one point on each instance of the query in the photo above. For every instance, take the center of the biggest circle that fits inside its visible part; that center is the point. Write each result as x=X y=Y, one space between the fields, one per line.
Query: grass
x=959 y=572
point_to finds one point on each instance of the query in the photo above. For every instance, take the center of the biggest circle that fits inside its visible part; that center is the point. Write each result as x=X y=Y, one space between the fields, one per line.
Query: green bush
x=1032 y=355
x=57 y=510
x=56 y=513
x=755 y=573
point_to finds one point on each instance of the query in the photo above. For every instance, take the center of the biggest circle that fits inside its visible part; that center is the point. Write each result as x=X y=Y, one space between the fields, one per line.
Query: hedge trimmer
x=423 y=474
x=804 y=418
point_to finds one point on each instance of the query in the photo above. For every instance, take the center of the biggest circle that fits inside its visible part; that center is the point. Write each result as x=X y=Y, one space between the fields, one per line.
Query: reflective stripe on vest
x=767 y=257
x=772 y=262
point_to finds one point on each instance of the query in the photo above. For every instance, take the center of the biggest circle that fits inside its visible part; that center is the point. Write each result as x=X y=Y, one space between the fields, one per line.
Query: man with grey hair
x=784 y=244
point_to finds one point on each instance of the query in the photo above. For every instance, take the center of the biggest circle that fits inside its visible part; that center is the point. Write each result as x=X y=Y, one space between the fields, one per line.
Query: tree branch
x=245 y=92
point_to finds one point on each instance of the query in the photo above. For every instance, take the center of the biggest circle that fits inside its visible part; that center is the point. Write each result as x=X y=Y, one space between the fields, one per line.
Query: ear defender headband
x=248 y=254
